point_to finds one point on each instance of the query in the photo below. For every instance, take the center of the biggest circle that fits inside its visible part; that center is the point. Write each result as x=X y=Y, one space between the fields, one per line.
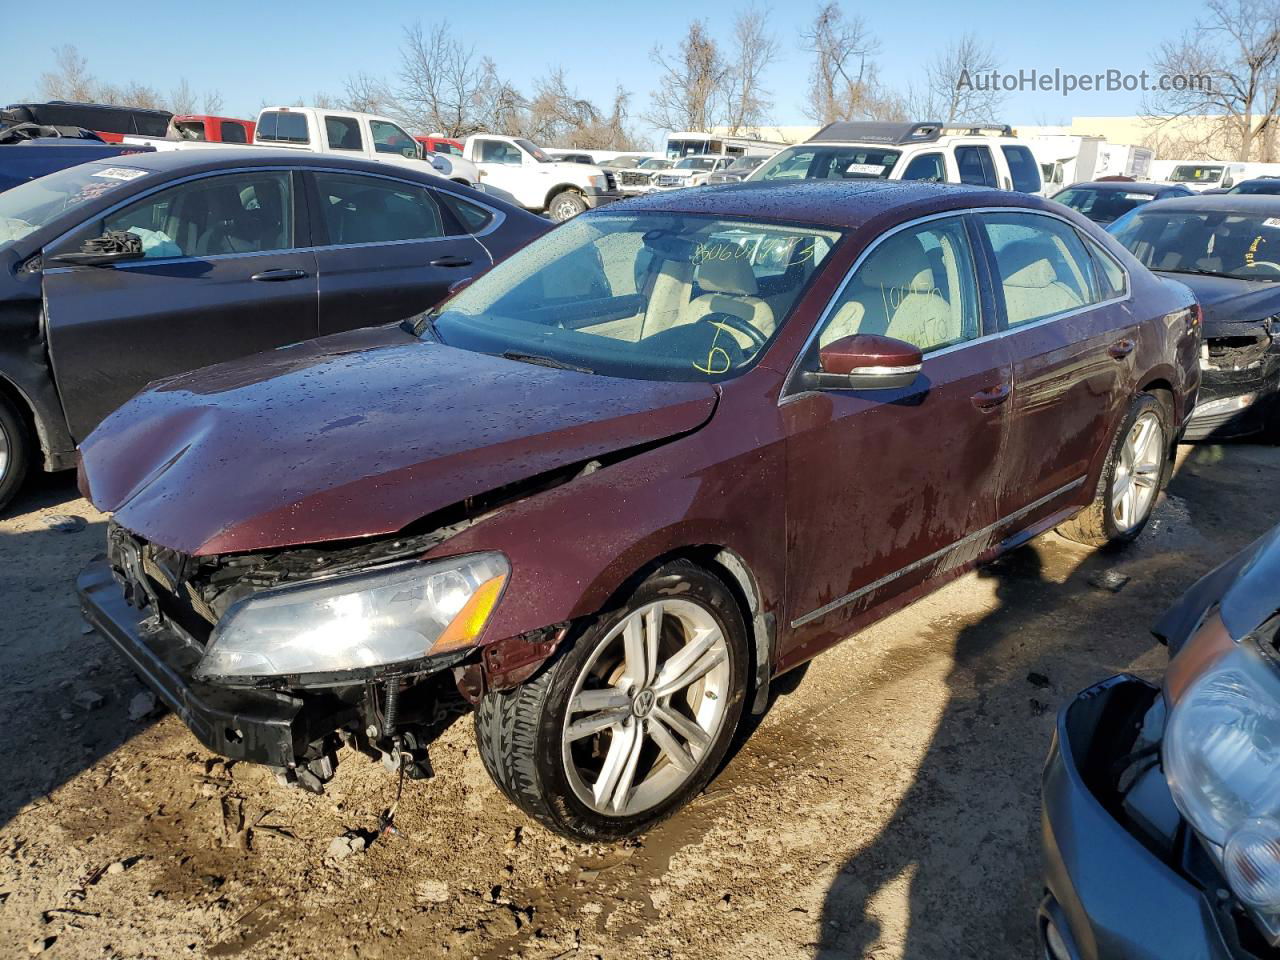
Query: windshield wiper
x=541 y=361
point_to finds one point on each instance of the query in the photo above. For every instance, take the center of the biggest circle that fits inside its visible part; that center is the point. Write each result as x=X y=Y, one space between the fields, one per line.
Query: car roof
x=198 y=160
x=1128 y=186
x=841 y=204
x=1258 y=204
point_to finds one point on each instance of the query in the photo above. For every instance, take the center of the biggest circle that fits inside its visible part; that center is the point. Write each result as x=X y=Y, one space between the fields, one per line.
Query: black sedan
x=1161 y=818
x=1264 y=185
x=118 y=272
x=1105 y=201
x=1227 y=250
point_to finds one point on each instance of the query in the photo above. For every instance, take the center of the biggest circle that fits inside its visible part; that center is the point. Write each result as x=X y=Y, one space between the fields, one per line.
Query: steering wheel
x=1269 y=264
x=738 y=324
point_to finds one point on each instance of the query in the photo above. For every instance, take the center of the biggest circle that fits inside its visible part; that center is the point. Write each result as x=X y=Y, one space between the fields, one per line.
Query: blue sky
x=280 y=52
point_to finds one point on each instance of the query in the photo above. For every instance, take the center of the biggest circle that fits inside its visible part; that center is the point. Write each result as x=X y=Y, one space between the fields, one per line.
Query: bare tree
x=440 y=80
x=692 y=87
x=842 y=80
x=755 y=49
x=70 y=78
x=498 y=105
x=213 y=103
x=367 y=94
x=182 y=99
x=1236 y=48
x=953 y=91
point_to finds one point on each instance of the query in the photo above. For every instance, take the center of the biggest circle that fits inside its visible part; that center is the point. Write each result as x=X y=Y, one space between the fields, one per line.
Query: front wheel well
x=9 y=390
x=559 y=189
x=736 y=574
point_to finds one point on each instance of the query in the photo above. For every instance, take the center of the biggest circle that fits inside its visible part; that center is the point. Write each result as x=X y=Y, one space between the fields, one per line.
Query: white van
x=872 y=150
x=1216 y=174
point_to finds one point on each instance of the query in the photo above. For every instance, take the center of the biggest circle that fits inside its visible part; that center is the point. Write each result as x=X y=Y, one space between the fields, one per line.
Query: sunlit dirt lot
x=886 y=806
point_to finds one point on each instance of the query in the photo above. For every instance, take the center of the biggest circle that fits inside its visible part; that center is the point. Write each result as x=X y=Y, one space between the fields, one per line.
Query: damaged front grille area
x=1237 y=352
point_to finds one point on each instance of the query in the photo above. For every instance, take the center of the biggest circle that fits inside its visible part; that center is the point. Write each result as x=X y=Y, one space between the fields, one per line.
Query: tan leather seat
x=896 y=294
x=1032 y=288
x=730 y=287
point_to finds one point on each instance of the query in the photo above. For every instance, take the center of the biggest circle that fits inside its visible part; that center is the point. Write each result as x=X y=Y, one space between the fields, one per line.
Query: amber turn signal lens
x=465 y=628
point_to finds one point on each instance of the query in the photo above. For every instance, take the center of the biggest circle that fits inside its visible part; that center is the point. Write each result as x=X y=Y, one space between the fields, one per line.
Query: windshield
x=654 y=163
x=1102 y=206
x=1194 y=173
x=1257 y=187
x=29 y=206
x=808 y=162
x=1244 y=246
x=535 y=151
x=695 y=163
x=647 y=296
x=680 y=148
x=745 y=163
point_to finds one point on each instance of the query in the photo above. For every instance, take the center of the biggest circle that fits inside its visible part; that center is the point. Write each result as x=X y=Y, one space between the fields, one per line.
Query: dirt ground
x=887 y=806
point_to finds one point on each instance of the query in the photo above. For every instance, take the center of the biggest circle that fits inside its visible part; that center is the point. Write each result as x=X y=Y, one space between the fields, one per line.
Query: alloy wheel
x=5 y=447
x=1137 y=473
x=646 y=707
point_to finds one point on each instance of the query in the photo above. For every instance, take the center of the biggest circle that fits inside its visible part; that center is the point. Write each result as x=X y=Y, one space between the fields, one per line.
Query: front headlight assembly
x=1222 y=760
x=394 y=615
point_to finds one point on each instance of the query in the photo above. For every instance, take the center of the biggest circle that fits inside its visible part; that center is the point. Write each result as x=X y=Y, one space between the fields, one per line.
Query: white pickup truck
x=522 y=173
x=354 y=135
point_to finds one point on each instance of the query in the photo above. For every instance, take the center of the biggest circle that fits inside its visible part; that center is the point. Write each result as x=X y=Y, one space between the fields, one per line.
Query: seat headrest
x=1025 y=262
x=899 y=262
x=1038 y=273
x=733 y=276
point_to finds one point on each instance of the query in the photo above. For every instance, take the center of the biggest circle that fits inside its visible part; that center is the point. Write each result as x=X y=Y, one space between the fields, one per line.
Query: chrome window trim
x=849 y=598
x=498 y=216
x=786 y=395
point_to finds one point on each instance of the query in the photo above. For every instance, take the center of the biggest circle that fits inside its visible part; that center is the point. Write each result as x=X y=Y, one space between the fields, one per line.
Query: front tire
x=630 y=722
x=15 y=451
x=1136 y=470
x=566 y=205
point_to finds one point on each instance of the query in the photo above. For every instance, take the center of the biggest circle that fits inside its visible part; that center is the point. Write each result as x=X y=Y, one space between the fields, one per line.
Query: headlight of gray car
x=400 y=613
x=1222 y=760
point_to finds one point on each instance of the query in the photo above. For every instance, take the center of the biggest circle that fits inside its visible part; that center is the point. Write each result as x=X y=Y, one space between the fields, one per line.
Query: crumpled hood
x=1227 y=301
x=355 y=435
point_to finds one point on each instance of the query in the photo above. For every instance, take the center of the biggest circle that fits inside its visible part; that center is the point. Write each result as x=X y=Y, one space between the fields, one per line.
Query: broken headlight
x=1222 y=761
x=397 y=614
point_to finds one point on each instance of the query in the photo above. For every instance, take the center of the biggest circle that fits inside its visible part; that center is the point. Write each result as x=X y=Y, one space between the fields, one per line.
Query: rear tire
x=15 y=450
x=566 y=205
x=607 y=740
x=1136 y=470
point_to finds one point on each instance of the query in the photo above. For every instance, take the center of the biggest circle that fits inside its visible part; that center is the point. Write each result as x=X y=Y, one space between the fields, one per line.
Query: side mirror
x=112 y=247
x=865 y=361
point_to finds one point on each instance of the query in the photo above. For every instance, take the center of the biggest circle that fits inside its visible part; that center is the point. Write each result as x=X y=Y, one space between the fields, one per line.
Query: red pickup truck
x=441 y=145
x=214 y=129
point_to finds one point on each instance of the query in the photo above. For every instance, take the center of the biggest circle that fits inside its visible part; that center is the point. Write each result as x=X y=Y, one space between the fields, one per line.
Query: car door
x=890 y=489
x=225 y=273
x=501 y=167
x=386 y=249
x=1071 y=343
x=975 y=165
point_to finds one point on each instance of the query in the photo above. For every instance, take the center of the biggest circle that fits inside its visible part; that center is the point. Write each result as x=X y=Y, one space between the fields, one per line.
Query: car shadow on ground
x=968 y=823
x=65 y=696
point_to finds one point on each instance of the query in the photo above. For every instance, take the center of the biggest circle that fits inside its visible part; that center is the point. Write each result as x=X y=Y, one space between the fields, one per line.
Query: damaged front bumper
x=1239 y=382
x=1125 y=878
x=262 y=726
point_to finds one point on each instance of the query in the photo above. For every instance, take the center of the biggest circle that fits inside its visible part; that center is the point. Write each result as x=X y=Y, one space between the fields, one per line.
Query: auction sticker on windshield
x=873 y=168
x=120 y=173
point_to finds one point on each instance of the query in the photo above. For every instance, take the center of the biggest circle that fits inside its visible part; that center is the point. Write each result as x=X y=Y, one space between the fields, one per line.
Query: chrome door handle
x=275 y=276
x=1121 y=349
x=451 y=261
x=989 y=398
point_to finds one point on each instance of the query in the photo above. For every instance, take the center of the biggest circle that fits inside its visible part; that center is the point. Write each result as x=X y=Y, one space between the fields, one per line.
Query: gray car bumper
x=1107 y=893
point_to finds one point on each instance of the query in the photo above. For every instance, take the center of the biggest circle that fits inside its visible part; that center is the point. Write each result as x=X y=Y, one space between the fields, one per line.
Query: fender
x=25 y=372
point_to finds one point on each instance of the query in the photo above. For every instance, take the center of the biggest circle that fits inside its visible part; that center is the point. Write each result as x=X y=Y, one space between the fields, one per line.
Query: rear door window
x=249 y=212
x=1022 y=167
x=976 y=166
x=343 y=133
x=362 y=209
x=926 y=166
x=233 y=132
x=1043 y=266
x=472 y=217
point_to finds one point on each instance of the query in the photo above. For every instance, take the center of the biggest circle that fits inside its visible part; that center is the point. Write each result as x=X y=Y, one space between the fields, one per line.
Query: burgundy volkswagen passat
x=608 y=491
